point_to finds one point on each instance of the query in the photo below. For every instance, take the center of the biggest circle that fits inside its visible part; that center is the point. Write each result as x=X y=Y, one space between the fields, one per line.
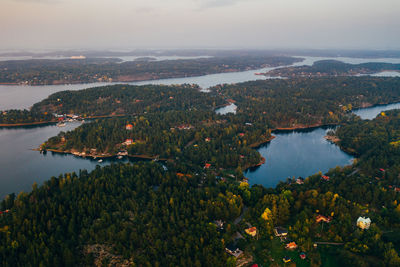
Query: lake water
x=372 y=112
x=231 y=108
x=20 y=166
x=296 y=153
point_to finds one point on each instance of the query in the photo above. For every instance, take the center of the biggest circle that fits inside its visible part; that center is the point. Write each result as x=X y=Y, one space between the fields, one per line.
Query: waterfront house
x=325 y=178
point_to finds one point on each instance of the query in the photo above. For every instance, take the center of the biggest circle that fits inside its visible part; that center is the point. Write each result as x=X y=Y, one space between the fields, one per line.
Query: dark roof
x=281 y=230
x=231 y=247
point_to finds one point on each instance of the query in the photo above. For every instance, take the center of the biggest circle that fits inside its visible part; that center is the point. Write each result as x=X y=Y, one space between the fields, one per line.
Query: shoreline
x=102 y=156
x=152 y=78
x=26 y=123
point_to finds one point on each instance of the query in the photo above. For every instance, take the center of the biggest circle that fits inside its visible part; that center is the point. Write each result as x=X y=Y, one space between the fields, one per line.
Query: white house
x=363 y=223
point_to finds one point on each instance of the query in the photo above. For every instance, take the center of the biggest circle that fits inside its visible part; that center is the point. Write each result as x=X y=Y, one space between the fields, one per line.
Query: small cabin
x=321 y=218
x=291 y=245
x=280 y=231
x=233 y=250
x=128 y=142
x=251 y=231
x=325 y=178
x=286 y=259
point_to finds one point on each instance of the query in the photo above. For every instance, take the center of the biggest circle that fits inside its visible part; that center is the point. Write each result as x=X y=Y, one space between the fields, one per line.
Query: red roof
x=323 y=218
x=207 y=165
x=326 y=178
x=241 y=134
x=382 y=170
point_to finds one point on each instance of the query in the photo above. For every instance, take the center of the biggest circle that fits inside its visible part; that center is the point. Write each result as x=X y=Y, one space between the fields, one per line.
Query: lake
x=295 y=153
x=20 y=166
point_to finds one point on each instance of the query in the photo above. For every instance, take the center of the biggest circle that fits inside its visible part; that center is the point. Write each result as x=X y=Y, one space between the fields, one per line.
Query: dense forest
x=195 y=138
x=169 y=212
x=65 y=71
x=275 y=102
x=147 y=214
x=115 y=100
x=15 y=116
x=329 y=68
x=128 y=100
x=303 y=102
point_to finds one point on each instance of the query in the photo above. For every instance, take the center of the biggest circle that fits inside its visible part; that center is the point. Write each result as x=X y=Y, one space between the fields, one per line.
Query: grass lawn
x=276 y=251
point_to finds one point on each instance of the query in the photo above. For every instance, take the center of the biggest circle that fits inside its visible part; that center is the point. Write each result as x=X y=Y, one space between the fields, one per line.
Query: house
x=233 y=250
x=208 y=139
x=291 y=245
x=363 y=223
x=241 y=134
x=219 y=224
x=303 y=255
x=299 y=181
x=128 y=142
x=280 y=231
x=207 y=166
x=324 y=177
x=251 y=231
x=286 y=259
x=129 y=127
x=321 y=218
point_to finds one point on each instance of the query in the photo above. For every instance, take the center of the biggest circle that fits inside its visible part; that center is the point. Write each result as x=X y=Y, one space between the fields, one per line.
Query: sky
x=261 y=24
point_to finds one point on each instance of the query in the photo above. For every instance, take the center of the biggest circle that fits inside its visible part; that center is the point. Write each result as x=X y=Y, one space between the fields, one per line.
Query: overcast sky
x=128 y=24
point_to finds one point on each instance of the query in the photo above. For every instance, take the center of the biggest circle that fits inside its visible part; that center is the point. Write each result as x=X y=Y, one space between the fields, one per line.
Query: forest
x=146 y=214
x=194 y=138
x=166 y=212
x=91 y=70
x=299 y=102
x=330 y=68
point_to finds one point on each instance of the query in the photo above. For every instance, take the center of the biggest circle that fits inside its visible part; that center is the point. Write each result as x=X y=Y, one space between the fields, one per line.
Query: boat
x=100 y=161
x=61 y=124
x=119 y=157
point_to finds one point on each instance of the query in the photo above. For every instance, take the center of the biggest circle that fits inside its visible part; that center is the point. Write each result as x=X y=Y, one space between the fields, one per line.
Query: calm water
x=290 y=154
x=372 y=112
x=296 y=153
x=20 y=166
x=231 y=108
